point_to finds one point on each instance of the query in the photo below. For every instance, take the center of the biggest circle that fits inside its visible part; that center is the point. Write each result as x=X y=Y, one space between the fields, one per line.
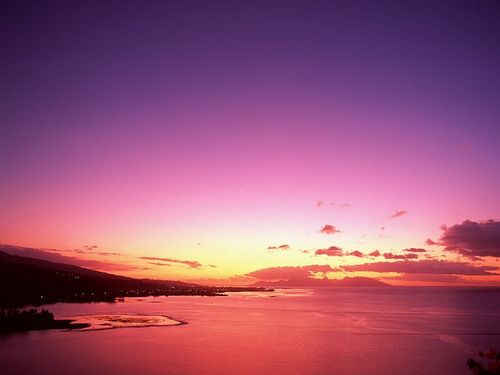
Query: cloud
x=430 y=242
x=415 y=250
x=160 y=264
x=287 y=273
x=356 y=253
x=235 y=280
x=329 y=229
x=53 y=255
x=375 y=253
x=189 y=263
x=398 y=213
x=427 y=277
x=441 y=267
x=106 y=253
x=321 y=203
x=473 y=238
x=280 y=247
x=400 y=256
x=332 y=251
x=92 y=249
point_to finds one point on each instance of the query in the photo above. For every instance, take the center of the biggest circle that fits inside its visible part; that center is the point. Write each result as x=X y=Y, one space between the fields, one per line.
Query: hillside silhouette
x=30 y=281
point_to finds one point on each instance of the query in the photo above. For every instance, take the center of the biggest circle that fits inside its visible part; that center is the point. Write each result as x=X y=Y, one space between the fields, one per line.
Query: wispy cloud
x=189 y=263
x=160 y=264
x=280 y=247
x=415 y=250
x=321 y=203
x=398 y=213
x=400 y=256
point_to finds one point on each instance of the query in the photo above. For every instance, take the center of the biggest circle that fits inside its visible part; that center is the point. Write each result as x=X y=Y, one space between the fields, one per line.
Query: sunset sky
x=231 y=142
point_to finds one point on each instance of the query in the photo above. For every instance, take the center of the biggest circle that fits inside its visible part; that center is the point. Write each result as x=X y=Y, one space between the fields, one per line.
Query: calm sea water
x=295 y=331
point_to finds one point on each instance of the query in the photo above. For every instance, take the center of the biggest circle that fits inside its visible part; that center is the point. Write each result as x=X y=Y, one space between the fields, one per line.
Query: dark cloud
x=329 y=229
x=287 y=273
x=332 y=251
x=189 y=263
x=398 y=213
x=415 y=250
x=430 y=242
x=440 y=267
x=375 y=253
x=473 y=238
x=400 y=256
x=280 y=247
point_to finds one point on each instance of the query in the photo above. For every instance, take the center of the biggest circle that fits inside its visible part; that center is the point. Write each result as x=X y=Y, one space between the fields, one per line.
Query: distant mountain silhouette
x=30 y=281
x=325 y=282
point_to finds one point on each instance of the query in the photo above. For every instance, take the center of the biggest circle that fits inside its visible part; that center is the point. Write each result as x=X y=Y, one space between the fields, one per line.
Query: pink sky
x=204 y=136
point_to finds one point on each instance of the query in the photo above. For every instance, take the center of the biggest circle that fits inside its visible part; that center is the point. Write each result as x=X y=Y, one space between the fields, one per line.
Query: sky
x=228 y=142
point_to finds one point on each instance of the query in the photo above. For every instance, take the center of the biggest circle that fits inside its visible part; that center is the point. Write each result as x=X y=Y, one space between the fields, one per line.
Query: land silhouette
x=13 y=320
x=30 y=281
x=324 y=282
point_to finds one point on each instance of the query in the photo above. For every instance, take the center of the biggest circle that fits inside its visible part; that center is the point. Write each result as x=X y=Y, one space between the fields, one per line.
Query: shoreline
x=104 y=322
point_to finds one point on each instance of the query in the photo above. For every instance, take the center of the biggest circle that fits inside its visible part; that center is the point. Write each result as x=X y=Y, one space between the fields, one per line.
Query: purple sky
x=151 y=127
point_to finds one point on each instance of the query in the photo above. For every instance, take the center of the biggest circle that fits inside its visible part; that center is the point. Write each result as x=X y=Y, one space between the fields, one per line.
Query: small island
x=14 y=320
x=111 y=321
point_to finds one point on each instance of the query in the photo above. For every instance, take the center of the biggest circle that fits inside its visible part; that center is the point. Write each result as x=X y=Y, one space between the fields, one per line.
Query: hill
x=30 y=281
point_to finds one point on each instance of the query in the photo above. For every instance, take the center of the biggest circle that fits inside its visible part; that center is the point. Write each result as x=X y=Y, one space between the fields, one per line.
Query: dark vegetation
x=30 y=281
x=489 y=363
x=13 y=320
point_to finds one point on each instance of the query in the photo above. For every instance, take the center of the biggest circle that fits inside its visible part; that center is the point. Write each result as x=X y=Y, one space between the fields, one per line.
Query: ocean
x=396 y=330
